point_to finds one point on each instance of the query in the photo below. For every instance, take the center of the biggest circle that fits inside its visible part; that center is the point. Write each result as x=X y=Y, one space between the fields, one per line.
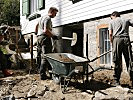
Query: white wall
x=83 y=10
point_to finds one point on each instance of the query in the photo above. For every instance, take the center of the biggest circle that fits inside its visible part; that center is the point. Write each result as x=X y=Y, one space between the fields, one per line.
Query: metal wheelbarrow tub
x=63 y=64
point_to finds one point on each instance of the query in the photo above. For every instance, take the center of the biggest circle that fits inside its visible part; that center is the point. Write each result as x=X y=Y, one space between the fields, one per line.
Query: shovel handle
x=67 y=38
x=100 y=55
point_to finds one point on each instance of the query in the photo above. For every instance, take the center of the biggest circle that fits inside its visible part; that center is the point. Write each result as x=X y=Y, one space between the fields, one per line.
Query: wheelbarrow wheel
x=56 y=78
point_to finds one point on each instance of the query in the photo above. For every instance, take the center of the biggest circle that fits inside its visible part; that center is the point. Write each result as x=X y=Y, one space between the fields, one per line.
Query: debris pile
x=30 y=87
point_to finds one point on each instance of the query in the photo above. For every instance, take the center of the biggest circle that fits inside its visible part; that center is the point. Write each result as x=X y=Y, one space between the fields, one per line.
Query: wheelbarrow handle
x=100 y=56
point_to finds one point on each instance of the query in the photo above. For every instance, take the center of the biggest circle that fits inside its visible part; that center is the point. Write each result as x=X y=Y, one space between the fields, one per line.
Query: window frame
x=98 y=43
x=27 y=5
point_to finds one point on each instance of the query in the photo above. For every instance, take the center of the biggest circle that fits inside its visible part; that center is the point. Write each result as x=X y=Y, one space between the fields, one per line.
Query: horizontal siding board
x=58 y=2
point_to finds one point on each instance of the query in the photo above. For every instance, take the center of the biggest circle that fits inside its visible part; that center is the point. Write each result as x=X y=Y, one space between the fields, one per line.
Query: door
x=104 y=44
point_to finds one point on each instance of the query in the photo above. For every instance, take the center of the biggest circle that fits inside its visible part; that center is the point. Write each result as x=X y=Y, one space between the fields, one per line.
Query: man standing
x=119 y=37
x=44 y=36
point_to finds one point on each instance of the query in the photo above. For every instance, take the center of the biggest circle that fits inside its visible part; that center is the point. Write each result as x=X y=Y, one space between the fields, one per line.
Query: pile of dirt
x=23 y=86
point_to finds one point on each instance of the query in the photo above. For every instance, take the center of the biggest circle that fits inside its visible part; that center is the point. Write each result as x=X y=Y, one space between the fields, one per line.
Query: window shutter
x=41 y=4
x=25 y=7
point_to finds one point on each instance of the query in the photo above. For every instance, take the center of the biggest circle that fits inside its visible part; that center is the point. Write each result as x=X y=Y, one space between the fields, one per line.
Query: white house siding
x=87 y=9
x=83 y=10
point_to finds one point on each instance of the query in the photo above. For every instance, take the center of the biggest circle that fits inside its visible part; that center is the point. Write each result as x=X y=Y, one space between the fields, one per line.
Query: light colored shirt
x=44 y=22
x=120 y=26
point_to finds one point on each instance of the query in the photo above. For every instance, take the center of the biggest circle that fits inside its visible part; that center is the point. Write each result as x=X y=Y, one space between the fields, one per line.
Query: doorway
x=68 y=31
x=77 y=49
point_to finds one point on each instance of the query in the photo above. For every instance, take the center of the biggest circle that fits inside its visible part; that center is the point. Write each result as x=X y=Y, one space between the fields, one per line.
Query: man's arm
x=36 y=29
x=48 y=32
x=46 y=27
x=111 y=36
x=110 y=32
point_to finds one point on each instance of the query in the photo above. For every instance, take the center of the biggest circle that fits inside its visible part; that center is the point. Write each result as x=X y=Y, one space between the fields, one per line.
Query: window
x=36 y=5
x=31 y=6
x=25 y=7
x=41 y=4
x=104 y=46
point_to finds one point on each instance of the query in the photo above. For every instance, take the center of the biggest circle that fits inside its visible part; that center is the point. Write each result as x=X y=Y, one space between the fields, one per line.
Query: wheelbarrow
x=64 y=66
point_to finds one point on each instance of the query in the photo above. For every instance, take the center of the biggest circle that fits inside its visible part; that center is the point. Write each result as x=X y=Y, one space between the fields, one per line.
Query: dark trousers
x=120 y=46
x=44 y=46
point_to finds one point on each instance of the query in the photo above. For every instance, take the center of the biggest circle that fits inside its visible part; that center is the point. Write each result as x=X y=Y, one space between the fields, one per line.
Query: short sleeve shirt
x=44 y=22
x=120 y=27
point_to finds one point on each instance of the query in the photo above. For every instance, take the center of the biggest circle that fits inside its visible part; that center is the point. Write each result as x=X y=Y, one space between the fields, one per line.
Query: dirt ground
x=26 y=86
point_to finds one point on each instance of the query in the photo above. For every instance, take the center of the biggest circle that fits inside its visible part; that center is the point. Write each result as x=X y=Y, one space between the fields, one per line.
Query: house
x=88 y=18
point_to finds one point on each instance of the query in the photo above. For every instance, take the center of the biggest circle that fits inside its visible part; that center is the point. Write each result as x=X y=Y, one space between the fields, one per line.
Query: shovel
x=73 y=39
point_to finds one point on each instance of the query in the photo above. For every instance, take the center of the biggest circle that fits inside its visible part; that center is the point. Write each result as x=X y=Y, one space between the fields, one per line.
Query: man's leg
x=117 y=59
x=38 y=56
x=43 y=75
x=43 y=64
x=46 y=48
x=117 y=72
x=128 y=59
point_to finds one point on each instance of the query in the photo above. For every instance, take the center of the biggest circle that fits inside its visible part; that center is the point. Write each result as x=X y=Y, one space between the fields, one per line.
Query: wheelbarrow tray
x=64 y=63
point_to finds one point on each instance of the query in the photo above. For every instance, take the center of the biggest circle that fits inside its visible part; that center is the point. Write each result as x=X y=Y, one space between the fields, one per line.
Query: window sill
x=34 y=16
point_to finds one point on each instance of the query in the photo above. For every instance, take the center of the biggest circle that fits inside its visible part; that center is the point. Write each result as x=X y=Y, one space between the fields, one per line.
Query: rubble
x=30 y=87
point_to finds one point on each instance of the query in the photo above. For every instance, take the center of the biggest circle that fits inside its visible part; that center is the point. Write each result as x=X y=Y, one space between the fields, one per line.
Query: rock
x=47 y=94
x=42 y=92
x=89 y=91
x=113 y=93
x=19 y=95
x=32 y=92
x=11 y=97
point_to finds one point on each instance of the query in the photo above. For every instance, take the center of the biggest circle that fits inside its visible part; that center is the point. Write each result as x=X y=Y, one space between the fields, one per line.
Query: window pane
x=25 y=7
x=41 y=4
x=33 y=6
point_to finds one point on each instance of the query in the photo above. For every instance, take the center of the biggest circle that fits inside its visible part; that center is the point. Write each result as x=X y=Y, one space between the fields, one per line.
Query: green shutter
x=40 y=4
x=25 y=7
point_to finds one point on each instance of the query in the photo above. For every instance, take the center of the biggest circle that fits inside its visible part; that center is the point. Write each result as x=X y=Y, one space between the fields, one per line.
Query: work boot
x=7 y=72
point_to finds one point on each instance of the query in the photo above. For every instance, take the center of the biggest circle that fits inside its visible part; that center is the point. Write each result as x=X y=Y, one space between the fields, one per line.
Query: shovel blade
x=74 y=40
